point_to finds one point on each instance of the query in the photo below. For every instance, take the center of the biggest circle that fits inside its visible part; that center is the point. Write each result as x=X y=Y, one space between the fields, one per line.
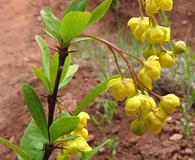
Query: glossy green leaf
x=36 y=108
x=43 y=78
x=62 y=126
x=52 y=23
x=71 y=71
x=92 y=95
x=54 y=70
x=17 y=150
x=33 y=141
x=100 y=11
x=77 y=5
x=65 y=67
x=73 y=24
x=90 y=154
x=44 y=54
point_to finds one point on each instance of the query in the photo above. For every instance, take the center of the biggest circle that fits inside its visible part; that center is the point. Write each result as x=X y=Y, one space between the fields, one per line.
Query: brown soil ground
x=20 y=21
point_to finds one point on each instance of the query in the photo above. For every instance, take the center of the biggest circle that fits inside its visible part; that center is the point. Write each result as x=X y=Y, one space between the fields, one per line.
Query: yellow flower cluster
x=153 y=6
x=147 y=30
x=151 y=117
x=79 y=144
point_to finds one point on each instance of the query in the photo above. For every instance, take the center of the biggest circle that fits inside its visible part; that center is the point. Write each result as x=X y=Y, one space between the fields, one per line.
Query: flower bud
x=83 y=133
x=179 y=47
x=147 y=104
x=165 y=5
x=169 y=103
x=145 y=79
x=157 y=34
x=137 y=127
x=72 y=147
x=152 y=67
x=151 y=7
x=83 y=121
x=167 y=59
x=132 y=105
x=150 y=51
x=121 y=88
x=160 y=113
x=83 y=146
x=153 y=123
x=138 y=26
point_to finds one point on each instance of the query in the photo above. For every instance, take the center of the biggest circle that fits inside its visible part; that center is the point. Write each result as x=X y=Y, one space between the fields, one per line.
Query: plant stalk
x=52 y=99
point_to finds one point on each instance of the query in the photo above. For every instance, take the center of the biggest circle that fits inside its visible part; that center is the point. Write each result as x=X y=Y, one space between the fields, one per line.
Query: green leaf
x=66 y=67
x=90 y=154
x=54 y=70
x=71 y=71
x=43 y=78
x=68 y=138
x=44 y=53
x=77 y=5
x=36 y=108
x=80 y=39
x=73 y=24
x=17 y=150
x=92 y=95
x=100 y=11
x=33 y=141
x=62 y=126
x=52 y=23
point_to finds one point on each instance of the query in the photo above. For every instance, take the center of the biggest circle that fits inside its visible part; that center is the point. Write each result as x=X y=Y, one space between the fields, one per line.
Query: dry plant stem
x=52 y=99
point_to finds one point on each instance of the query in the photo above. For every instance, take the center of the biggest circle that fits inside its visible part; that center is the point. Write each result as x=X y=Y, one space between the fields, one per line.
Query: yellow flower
x=153 y=123
x=179 y=47
x=132 y=105
x=169 y=103
x=161 y=114
x=151 y=7
x=165 y=5
x=137 y=127
x=83 y=146
x=157 y=34
x=138 y=26
x=84 y=117
x=139 y=104
x=145 y=79
x=122 y=88
x=152 y=67
x=147 y=104
x=83 y=133
x=167 y=60
x=151 y=50
x=77 y=145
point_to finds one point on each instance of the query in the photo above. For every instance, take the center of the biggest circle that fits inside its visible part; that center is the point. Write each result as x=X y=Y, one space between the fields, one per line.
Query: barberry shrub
x=67 y=131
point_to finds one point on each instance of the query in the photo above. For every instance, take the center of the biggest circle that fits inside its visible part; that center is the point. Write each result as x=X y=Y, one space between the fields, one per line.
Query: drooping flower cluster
x=137 y=92
x=79 y=144
x=150 y=116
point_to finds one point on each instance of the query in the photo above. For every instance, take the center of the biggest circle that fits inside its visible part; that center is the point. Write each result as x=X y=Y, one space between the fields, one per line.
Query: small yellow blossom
x=165 y=5
x=169 y=103
x=151 y=7
x=121 y=88
x=179 y=47
x=167 y=59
